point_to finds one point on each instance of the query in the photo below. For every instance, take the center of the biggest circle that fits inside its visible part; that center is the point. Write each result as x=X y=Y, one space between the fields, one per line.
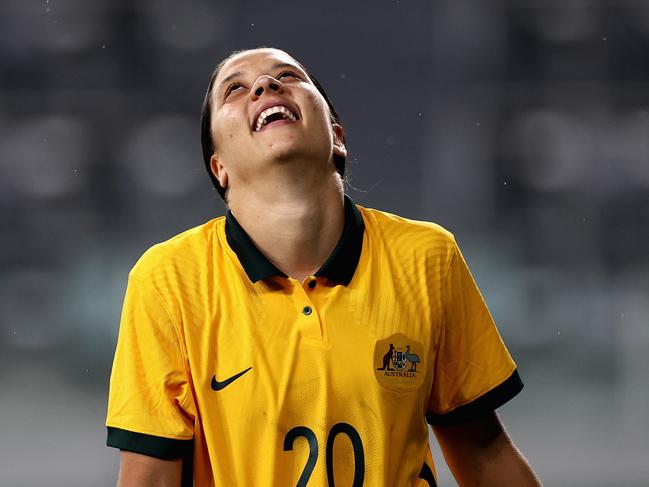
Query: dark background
x=521 y=126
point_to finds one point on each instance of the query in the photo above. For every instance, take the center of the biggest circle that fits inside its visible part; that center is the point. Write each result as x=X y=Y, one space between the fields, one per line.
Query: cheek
x=319 y=107
x=319 y=115
x=224 y=130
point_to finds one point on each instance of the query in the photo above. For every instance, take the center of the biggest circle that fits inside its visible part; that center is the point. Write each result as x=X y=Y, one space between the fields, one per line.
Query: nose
x=268 y=84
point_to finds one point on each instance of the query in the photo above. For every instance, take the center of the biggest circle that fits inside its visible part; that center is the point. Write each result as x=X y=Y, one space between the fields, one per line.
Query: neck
x=295 y=226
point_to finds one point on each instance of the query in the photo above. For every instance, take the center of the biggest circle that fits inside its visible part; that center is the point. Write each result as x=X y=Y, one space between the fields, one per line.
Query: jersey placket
x=306 y=299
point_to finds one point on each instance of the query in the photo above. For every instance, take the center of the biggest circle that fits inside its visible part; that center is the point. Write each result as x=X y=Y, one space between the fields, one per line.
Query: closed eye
x=231 y=88
x=288 y=73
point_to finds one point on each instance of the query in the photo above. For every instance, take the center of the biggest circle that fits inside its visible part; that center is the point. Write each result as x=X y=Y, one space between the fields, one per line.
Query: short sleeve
x=474 y=372
x=150 y=407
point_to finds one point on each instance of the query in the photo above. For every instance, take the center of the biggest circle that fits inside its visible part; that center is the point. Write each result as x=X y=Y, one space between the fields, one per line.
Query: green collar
x=339 y=267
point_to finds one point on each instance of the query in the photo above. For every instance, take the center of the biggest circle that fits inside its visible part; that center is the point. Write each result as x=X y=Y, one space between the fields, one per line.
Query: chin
x=288 y=151
x=283 y=154
x=295 y=147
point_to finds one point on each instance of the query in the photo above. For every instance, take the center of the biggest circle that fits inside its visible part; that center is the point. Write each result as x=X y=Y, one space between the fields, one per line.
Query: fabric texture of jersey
x=256 y=379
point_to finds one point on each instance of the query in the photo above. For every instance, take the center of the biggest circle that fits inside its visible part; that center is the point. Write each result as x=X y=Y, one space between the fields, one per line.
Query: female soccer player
x=303 y=339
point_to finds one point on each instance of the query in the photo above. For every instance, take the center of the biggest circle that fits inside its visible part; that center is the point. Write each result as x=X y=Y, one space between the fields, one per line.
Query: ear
x=219 y=171
x=339 y=140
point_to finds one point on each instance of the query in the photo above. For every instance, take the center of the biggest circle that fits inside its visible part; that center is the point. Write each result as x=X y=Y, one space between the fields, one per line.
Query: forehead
x=257 y=59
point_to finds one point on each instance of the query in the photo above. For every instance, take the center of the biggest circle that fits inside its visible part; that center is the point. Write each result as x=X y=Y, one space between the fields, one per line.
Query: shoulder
x=406 y=234
x=179 y=254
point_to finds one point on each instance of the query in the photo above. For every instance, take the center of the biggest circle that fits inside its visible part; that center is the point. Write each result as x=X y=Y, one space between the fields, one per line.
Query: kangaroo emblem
x=387 y=358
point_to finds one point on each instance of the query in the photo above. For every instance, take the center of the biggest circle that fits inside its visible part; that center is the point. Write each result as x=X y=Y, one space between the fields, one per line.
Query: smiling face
x=267 y=112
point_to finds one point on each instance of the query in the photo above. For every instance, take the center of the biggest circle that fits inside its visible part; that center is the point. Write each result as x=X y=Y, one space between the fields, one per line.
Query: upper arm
x=467 y=439
x=469 y=447
x=473 y=371
x=480 y=452
x=138 y=470
x=151 y=412
x=473 y=376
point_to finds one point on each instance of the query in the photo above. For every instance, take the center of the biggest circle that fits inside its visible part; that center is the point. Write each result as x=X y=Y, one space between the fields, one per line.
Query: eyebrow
x=236 y=74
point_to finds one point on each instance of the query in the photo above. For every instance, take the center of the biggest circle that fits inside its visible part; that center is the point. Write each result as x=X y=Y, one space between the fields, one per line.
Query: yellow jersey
x=256 y=379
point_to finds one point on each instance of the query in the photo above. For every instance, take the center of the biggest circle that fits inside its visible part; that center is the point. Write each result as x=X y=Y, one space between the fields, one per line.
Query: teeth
x=263 y=116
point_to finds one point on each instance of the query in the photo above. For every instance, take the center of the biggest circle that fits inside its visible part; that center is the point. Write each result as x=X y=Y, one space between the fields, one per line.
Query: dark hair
x=206 y=124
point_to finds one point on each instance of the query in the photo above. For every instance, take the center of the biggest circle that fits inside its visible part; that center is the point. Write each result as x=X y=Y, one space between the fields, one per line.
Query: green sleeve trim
x=486 y=403
x=153 y=446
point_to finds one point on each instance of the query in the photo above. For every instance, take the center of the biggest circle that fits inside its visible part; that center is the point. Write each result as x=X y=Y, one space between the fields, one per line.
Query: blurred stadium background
x=520 y=125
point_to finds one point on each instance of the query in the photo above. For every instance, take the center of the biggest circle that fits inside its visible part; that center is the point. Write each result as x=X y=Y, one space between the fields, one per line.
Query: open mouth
x=274 y=114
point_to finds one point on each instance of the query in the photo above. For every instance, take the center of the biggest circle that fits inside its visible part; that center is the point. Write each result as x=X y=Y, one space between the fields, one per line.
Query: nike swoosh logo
x=217 y=386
